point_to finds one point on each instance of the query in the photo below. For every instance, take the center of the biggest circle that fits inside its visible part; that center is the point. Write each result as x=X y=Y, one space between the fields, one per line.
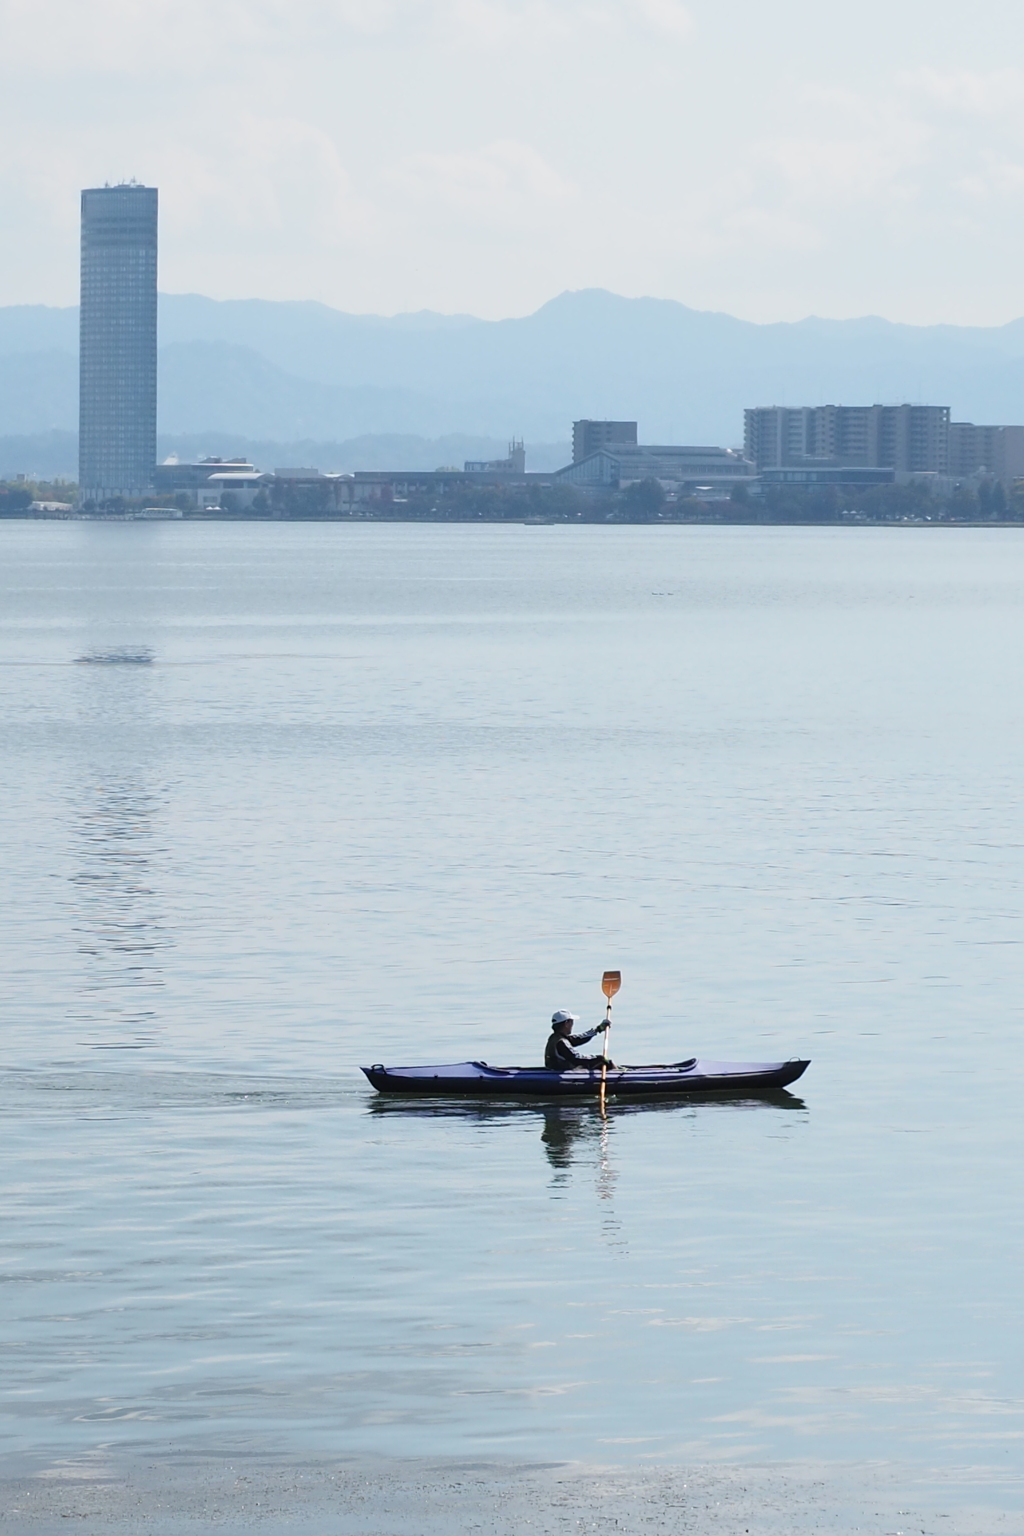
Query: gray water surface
x=279 y=800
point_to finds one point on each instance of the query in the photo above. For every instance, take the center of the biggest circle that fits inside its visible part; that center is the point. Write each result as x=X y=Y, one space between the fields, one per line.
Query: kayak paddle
x=611 y=981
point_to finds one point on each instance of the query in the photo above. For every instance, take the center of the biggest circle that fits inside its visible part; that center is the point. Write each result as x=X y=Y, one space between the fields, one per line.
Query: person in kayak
x=559 y=1055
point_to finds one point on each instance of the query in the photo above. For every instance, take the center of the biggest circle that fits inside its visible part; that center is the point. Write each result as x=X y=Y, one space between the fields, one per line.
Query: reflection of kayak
x=476 y=1079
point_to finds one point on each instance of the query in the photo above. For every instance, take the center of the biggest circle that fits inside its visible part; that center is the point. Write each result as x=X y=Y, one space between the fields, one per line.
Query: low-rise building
x=702 y=471
x=205 y=481
x=806 y=475
x=371 y=489
x=233 y=489
x=307 y=493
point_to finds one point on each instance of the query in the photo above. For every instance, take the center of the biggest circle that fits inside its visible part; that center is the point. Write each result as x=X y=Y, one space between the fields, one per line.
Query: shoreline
x=361 y=520
x=188 y=1492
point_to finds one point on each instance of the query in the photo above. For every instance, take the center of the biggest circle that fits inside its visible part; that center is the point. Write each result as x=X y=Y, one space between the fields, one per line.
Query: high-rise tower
x=117 y=351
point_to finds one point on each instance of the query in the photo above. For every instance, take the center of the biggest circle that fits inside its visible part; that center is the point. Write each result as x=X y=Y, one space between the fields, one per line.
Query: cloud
x=852 y=148
x=961 y=90
x=215 y=37
x=929 y=155
x=503 y=185
x=996 y=179
x=494 y=24
x=666 y=16
x=266 y=174
x=198 y=38
x=823 y=170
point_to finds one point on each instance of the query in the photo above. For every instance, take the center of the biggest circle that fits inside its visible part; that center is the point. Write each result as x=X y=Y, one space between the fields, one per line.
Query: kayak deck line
x=684 y=1078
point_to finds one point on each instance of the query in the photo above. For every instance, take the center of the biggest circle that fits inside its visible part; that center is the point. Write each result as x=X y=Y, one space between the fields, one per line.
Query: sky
x=482 y=156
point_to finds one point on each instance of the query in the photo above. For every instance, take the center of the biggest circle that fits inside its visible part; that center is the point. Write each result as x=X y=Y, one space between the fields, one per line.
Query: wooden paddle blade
x=611 y=981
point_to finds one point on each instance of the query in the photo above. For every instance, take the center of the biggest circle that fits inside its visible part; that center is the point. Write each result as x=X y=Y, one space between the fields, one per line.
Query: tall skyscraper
x=117 y=352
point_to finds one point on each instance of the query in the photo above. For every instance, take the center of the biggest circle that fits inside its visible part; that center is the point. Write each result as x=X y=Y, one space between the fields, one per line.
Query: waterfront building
x=683 y=470
x=204 y=481
x=589 y=437
x=117 y=355
x=910 y=439
x=994 y=451
x=50 y=509
x=808 y=476
x=373 y=489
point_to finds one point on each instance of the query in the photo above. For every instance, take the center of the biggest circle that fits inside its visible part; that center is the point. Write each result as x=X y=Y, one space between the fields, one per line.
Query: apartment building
x=590 y=437
x=909 y=438
x=995 y=451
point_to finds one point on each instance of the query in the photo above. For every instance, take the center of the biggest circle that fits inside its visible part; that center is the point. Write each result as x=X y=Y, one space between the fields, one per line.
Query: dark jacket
x=559 y=1055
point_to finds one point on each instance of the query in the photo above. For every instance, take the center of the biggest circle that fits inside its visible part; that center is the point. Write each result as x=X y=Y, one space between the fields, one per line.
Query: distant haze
x=54 y=455
x=234 y=374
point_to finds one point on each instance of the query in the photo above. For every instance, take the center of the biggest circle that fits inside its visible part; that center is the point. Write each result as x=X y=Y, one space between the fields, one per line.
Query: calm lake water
x=280 y=800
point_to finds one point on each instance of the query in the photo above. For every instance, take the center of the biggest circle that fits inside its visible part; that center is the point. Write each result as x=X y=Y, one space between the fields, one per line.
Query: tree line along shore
x=645 y=501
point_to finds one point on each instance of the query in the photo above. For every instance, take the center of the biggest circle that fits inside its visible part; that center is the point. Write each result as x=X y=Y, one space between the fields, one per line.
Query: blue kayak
x=680 y=1079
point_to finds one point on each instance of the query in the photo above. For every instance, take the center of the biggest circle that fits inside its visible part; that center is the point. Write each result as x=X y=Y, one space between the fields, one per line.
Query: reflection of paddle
x=611 y=981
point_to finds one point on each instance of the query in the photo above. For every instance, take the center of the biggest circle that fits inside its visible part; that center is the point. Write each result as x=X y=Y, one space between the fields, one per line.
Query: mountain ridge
x=289 y=370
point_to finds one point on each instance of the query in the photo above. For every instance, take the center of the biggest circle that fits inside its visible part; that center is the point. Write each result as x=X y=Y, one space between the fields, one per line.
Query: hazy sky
x=772 y=160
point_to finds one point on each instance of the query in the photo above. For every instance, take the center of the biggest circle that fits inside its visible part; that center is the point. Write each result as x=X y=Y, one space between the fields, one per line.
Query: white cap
x=561 y=1017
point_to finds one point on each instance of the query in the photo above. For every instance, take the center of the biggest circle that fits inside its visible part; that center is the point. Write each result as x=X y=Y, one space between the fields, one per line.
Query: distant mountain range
x=254 y=371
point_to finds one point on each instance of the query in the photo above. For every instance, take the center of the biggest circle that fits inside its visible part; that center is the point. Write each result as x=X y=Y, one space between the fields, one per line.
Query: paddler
x=559 y=1055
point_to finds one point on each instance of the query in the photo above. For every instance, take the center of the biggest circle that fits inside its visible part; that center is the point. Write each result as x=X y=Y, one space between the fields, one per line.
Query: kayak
x=475 y=1079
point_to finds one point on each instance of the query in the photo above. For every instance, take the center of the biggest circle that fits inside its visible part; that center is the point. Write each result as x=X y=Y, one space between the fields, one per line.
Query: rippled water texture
x=280 y=800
